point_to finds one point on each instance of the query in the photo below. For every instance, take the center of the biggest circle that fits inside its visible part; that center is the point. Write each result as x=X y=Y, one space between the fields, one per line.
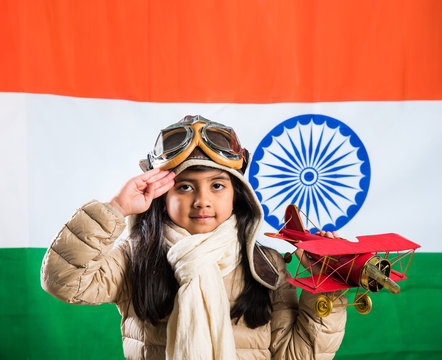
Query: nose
x=202 y=199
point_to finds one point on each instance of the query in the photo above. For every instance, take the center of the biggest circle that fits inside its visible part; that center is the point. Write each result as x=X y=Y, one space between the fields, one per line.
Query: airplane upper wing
x=366 y=244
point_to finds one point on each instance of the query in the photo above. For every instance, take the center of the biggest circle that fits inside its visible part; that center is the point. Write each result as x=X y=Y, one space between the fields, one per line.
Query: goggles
x=176 y=142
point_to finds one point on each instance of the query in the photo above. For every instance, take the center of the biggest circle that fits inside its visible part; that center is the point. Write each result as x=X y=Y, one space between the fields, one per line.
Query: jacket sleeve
x=83 y=265
x=297 y=332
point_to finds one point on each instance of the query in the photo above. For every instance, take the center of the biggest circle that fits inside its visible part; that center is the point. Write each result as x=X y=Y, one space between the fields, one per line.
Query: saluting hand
x=137 y=194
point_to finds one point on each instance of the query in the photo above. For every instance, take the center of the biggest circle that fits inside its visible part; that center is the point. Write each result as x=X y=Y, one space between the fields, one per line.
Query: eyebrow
x=217 y=177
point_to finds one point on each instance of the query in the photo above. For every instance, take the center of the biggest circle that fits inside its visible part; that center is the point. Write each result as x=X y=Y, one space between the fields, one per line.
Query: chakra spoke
x=285 y=198
x=295 y=197
x=301 y=200
x=307 y=202
x=337 y=183
x=330 y=189
x=330 y=155
x=277 y=176
x=284 y=161
x=318 y=147
x=321 y=199
x=329 y=198
x=334 y=161
x=315 y=203
x=295 y=149
x=337 y=176
x=310 y=148
x=281 y=183
x=324 y=151
x=280 y=168
x=290 y=156
x=282 y=191
x=304 y=156
x=338 y=168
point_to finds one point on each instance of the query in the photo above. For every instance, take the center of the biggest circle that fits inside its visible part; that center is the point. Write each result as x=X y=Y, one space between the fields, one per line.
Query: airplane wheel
x=323 y=306
x=363 y=304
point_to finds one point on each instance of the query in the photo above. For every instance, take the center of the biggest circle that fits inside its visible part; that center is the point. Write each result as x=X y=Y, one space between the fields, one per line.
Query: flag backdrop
x=86 y=85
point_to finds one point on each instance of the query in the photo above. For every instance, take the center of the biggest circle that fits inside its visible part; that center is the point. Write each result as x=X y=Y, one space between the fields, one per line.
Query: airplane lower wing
x=328 y=283
x=309 y=283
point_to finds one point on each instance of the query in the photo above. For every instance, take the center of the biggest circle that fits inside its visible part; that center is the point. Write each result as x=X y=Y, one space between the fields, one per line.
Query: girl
x=190 y=282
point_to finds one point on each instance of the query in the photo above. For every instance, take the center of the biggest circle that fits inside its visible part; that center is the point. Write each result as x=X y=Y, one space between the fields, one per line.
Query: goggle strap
x=245 y=161
x=146 y=164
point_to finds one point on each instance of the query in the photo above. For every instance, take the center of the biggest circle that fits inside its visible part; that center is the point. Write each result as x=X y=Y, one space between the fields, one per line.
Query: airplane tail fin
x=292 y=219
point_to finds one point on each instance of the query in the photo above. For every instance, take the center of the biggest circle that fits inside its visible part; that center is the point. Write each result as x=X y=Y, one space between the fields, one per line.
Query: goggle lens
x=172 y=140
x=223 y=139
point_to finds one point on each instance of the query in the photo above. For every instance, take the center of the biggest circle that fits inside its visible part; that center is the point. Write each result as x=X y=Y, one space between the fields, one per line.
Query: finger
x=335 y=234
x=145 y=180
x=140 y=180
x=152 y=178
x=163 y=188
x=170 y=177
x=303 y=259
x=148 y=174
x=320 y=233
x=298 y=253
x=329 y=234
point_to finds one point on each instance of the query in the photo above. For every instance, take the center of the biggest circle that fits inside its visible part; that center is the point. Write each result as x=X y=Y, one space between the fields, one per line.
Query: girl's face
x=200 y=200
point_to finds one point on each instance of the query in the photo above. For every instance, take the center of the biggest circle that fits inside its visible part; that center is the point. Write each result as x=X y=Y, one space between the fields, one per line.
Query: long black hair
x=154 y=286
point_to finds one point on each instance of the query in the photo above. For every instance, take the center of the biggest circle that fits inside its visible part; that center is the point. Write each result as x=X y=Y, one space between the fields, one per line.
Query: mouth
x=202 y=218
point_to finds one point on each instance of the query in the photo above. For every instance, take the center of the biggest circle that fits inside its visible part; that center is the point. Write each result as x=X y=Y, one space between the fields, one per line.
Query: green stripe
x=34 y=325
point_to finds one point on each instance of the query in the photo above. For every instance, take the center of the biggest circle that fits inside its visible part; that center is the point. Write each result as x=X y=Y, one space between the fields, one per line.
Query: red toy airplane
x=344 y=264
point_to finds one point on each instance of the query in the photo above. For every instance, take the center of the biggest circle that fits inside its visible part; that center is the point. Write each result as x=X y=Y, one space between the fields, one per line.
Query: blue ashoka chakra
x=315 y=162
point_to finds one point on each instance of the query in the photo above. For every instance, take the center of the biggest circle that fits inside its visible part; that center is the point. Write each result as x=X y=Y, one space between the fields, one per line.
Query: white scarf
x=199 y=327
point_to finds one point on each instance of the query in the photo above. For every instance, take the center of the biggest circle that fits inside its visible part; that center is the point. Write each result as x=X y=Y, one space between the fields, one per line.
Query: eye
x=218 y=186
x=184 y=187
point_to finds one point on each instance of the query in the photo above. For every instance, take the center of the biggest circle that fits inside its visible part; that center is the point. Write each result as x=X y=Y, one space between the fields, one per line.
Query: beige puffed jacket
x=85 y=265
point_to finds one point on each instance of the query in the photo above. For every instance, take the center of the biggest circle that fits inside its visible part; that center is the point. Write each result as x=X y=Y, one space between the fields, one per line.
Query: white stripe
x=14 y=205
x=59 y=152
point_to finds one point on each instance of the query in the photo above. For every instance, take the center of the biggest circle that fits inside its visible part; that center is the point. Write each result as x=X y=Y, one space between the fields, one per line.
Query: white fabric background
x=59 y=152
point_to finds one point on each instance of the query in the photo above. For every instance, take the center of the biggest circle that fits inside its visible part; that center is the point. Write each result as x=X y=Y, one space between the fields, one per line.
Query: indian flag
x=340 y=103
